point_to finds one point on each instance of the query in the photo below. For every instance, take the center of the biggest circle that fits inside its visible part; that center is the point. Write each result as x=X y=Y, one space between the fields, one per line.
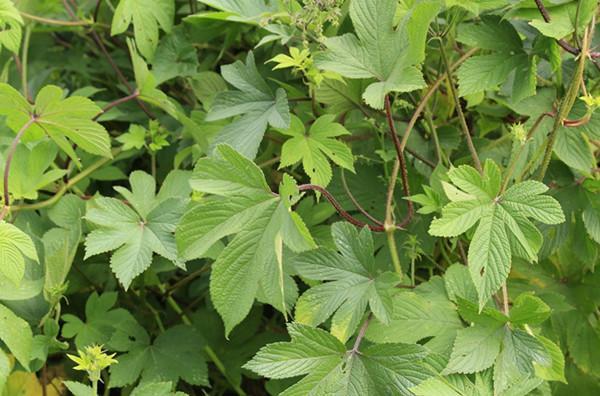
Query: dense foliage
x=299 y=197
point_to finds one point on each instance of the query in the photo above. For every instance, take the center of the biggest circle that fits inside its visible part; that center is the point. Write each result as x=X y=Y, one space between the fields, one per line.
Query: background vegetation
x=299 y=197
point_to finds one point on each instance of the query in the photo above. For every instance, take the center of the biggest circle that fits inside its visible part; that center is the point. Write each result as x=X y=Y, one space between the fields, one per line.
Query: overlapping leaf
x=315 y=147
x=261 y=223
x=254 y=101
x=173 y=355
x=15 y=247
x=380 y=51
x=352 y=282
x=488 y=71
x=328 y=368
x=10 y=26
x=58 y=118
x=503 y=227
x=147 y=16
x=137 y=231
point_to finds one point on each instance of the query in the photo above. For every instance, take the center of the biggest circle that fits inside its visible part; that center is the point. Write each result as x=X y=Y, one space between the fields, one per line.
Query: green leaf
x=147 y=16
x=101 y=321
x=315 y=147
x=415 y=317
x=79 y=389
x=475 y=349
x=378 y=50
x=528 y=309
x=503 y=229
x=57 y=118
x=175 y=57
x=242 y=205
x=176 y=353
x=488 y=71
x=156 y=389
x=61 y=243
x=148 y=87
x=134 y=233
x=555 y=371
x=246 y=11
x=352 y=282
x=330 y=369
x=573 y=147
x=255 y=101
x=515 y=361
x=16 y=334
x=15 y=247
x=29 y=169
x=10 y=18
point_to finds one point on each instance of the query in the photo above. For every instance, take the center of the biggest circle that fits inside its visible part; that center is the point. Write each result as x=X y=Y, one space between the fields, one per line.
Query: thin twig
x=347 y=216
x=57 y=22
x=360 y=336
x=354 y=201
x=401 y=161
x=459 y=110
x=428 y=95
x=565 y=45
x=116 y=103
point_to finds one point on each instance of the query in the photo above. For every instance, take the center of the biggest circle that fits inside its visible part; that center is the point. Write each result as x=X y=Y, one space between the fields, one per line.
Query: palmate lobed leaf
x=330 y=369
x=316 y=148
x=57 y=117
x=351 y=283
x=260 y=222
x=135 y=233
x=254 y=101
x=379 y=50
x=503 y=227
x=147 y=16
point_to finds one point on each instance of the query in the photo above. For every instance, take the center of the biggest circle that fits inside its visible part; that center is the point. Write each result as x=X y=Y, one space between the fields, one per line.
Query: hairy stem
x=361 y=335
x=566 y=105
x=459 y=110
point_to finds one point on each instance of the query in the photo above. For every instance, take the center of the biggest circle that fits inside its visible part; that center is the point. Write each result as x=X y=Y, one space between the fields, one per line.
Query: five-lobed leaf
x=135 y=232
x=58 y=118
x=315 y=147
x=147 y=16
x=351 y=283
x=330 y=369
x=503 y=228
x=254 y=101
x=380 y=51
x=241 y=205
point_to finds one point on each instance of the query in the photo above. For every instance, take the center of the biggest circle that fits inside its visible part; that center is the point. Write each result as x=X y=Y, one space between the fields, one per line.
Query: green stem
x=394 y=250
x=79 y=177
x=565 y=105
x=459 y=111
x=513 y=163
x=24 y=61
x=56 y=22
